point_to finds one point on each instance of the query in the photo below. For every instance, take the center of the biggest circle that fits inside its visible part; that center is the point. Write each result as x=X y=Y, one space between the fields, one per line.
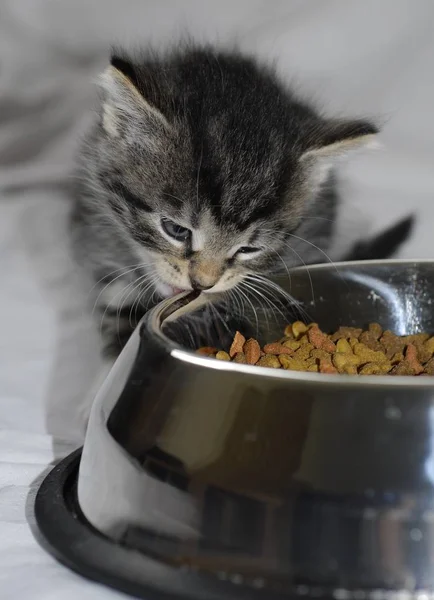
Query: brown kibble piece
x=292 y=364
x=397 y=358
x=367 y=355
x=240 y=358
x=222 y=355
x=318 y=354
x=423 y=354
x=207 y=351
x=303 y=353
x=277 y=348
x=252 y=350
x=298 y=329
x=429 y=345
x=392 y=343
x=411 y=358
x=429 y=367
x=346 y=333
x=237 y=344
x=303 y=340
x=320 y=340
x=375 y=330
x=288 y=332
x=343 y=345
x=371 y=341
x=269 y=360
x=373 y=368
x=403 y=368
x=292 y=344
x=325 y=366
x=416 y=339
x=343 y=361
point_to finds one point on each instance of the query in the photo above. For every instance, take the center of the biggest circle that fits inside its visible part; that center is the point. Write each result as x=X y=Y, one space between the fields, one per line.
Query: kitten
x=201 y=170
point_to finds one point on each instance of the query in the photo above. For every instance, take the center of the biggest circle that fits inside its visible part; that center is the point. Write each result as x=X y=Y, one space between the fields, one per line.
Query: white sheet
x=366 y=57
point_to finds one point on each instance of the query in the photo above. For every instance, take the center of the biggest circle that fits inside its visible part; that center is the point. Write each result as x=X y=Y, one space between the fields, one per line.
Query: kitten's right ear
x=124 y=104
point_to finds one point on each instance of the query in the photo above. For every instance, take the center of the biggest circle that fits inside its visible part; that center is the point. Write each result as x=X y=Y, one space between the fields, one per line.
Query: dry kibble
x=342 y=361
x=320 y=340
x=348 y=351
x=343 y=346
x=325 y=366
x=320 y=354
x=252 y=350
x=373 y=368
x=411 y=358
x=423 y=354
x=207 y=351
x=397 y=358
x=371 y=341
x=240 y=358
x=288 y=332
x=367 y=355
x=292 y=344
x=346 y=333
x=292 y=364
x=429 y=345
x=392 y=343
x=277 y=348
x=298 y=328
x=303 y=353
x=269 y=360
x=237 y=345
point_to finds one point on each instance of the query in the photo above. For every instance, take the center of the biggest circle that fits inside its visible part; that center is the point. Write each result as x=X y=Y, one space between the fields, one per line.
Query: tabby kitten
x=202 y=170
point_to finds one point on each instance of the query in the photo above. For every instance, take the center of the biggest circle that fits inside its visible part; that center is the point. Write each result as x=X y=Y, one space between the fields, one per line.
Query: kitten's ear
x=332 y=141
x=337 y=138
x=124 y=103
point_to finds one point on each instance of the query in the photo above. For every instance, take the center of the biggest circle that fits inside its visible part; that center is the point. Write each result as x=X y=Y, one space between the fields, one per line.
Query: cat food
x=349 y=351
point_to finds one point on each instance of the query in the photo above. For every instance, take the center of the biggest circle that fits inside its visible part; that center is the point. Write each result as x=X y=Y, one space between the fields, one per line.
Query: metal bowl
x=208 y=479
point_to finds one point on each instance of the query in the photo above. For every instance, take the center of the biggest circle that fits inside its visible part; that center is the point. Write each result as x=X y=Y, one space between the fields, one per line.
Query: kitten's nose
x=199 y=285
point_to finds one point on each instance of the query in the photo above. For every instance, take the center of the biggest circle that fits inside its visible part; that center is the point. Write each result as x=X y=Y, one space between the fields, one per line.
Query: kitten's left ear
x=334 y=139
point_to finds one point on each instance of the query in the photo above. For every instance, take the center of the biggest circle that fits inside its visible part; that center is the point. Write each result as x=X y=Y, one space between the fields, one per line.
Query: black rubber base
x=74 y=542
x=65 y=533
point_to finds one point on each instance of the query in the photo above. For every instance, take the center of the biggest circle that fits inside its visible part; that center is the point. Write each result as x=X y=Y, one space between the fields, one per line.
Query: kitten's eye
x=177 y=232
x=247 y=250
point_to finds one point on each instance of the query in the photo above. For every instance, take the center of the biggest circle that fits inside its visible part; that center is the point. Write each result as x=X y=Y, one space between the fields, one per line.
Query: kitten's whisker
x=317 y=248
x=137 y=265
x=251 y=304
x=261 y=297
x=259 y=292
x=269 y=286
x=127 y=272
x=198 y=175
x=306 y=267
x=136 y=302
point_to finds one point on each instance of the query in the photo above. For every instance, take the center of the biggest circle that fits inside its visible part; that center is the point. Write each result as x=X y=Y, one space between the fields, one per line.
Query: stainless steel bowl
x=224 y=480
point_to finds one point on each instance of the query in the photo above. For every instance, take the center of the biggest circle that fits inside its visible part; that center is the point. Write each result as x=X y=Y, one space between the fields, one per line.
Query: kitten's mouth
x=168 y=291
x=176 y=290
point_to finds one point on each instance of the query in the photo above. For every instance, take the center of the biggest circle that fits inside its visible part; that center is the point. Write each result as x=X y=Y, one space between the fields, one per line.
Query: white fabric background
x=373 y=57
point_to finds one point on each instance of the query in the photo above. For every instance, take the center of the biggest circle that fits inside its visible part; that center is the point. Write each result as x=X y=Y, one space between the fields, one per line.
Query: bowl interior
x=396 y=294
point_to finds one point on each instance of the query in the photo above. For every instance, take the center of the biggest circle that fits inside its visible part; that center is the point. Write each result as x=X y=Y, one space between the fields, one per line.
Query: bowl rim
x=155 y=319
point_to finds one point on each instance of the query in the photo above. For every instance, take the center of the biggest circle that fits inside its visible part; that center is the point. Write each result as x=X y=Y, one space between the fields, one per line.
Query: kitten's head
x=207 y=164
